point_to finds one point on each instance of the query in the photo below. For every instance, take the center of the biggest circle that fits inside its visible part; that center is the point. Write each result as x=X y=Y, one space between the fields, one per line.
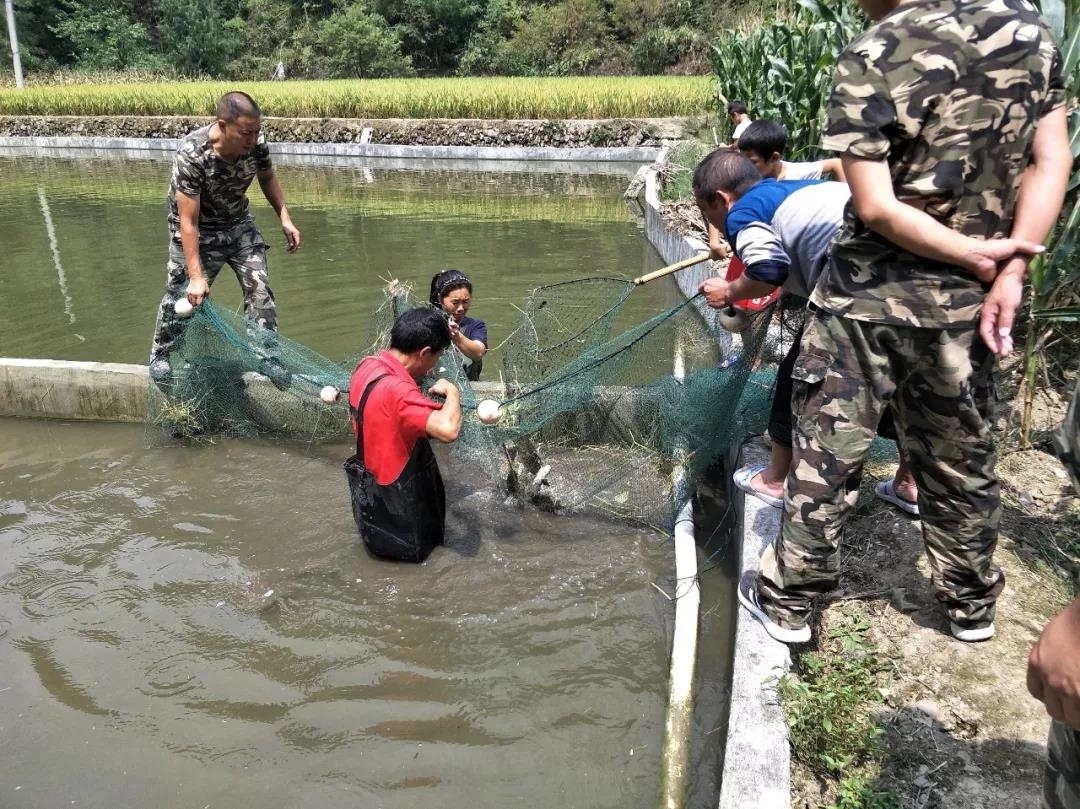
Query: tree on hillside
x=268 y=29
x=105 y=36
x=195 y=38
x=40 y=48
x=484 y=52
x=358 y=43
x=564 y=38
x=246 y=38
x=433 y=33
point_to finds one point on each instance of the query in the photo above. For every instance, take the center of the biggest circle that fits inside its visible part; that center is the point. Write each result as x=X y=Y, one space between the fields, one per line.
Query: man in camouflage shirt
x=1054 y=666
x=209 y=221
x=949 y=116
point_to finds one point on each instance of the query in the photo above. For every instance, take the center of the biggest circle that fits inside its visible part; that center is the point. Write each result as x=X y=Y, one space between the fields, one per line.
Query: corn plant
x=1054 y=298
x=783 y=70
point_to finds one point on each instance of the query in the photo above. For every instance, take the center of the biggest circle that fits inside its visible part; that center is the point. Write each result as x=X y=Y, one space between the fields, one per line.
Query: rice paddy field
x=494 y=97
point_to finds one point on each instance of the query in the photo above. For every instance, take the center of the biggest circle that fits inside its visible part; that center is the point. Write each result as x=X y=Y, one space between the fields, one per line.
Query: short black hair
x=237 y=104
x=419 y=328
x=763 y=137
x=736 y=108
x=445 y=282
x=725 y=169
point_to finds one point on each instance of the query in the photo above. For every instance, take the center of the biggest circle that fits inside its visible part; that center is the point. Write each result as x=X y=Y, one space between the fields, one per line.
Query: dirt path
x=960 y=729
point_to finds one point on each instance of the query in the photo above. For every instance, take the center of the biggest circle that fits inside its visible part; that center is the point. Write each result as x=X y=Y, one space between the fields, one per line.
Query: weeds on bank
x=1051 y=540
x=678 y=172
x=855 y=792
x=828 y=704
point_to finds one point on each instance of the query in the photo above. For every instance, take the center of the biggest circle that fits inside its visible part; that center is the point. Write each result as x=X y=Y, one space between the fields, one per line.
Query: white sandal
x=742 y=478
x=886 y=490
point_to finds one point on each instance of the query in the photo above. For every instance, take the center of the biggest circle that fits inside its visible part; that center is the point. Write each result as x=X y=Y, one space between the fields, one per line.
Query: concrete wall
x=757 y=755
x=98 y=391
x=622 y=160
x=757 y=765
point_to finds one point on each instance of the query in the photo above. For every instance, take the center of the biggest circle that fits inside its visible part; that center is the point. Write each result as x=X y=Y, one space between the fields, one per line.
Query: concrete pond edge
x=757 y=754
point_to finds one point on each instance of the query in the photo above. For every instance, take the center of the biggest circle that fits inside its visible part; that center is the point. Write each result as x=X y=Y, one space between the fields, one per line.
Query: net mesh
x=624 y=423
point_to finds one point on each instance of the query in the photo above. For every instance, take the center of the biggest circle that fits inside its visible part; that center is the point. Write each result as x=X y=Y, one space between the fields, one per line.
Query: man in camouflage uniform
x=1054 y=665
x=938 y=111
x=209 y=221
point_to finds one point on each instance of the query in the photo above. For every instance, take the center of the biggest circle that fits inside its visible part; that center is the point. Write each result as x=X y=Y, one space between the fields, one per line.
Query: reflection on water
x=178 y=629
x=84 y=249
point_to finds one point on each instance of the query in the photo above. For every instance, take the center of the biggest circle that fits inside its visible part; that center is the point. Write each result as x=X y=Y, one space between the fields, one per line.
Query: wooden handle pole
x=668 y=270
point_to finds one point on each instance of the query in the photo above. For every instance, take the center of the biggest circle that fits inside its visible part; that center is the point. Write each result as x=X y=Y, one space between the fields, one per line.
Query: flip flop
x=742 y=478
x=886 y=490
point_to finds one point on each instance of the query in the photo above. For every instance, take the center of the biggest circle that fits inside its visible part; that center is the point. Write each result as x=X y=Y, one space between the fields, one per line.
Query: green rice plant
x=783 y=70
x=1054 y=297
x=485 y=97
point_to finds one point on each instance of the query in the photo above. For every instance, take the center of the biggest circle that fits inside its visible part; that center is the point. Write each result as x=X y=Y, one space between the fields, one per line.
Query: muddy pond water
x=198 y=626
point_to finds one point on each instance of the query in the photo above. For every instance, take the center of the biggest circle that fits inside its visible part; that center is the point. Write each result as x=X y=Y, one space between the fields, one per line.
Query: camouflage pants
x=939 y=384
x=1061 y=789
x=242 y=248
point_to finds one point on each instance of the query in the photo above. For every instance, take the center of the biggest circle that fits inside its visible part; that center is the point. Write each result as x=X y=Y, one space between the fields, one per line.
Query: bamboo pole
x=670 y=268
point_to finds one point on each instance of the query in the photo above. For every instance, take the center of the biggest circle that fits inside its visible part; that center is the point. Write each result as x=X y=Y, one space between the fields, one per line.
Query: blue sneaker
x=728 y=362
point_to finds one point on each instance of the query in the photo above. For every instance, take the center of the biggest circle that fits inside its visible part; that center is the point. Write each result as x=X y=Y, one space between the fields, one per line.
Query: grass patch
x=829 y=703
x=855 y=792
x=678 y=173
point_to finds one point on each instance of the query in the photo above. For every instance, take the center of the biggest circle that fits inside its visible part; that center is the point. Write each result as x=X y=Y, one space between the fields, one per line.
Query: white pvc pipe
x=680 y=710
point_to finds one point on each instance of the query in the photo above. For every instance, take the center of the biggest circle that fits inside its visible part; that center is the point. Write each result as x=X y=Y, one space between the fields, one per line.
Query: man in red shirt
x=397 y=492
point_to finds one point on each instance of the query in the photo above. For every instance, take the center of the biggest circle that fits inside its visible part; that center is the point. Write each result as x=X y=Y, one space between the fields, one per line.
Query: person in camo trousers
x=1053 y=675
x=950 y=121
x=210 y=224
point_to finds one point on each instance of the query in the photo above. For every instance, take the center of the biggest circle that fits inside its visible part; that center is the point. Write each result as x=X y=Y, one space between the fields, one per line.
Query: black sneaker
x=748 y=597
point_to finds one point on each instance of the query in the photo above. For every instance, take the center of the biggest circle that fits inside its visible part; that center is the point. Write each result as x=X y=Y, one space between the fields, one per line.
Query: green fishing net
x=625 y=423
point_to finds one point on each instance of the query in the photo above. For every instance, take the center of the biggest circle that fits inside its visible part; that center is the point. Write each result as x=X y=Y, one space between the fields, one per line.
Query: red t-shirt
x=395 y=415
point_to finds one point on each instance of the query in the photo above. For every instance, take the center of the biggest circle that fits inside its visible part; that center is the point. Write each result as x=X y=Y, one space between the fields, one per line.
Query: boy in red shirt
x=397 y=492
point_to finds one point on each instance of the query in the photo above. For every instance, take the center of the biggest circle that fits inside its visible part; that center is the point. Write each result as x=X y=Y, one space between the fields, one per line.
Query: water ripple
x=173 y=675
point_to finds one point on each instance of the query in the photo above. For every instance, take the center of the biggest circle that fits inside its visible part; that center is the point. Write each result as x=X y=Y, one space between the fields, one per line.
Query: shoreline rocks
x=402 y=131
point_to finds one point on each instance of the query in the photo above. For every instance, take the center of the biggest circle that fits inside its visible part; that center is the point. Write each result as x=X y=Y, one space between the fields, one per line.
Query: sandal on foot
x=886 y=490
x=742 y=478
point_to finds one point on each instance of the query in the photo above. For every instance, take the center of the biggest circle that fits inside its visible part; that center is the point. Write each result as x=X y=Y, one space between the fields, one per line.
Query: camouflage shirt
x=949 y=93
x=221 y=186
